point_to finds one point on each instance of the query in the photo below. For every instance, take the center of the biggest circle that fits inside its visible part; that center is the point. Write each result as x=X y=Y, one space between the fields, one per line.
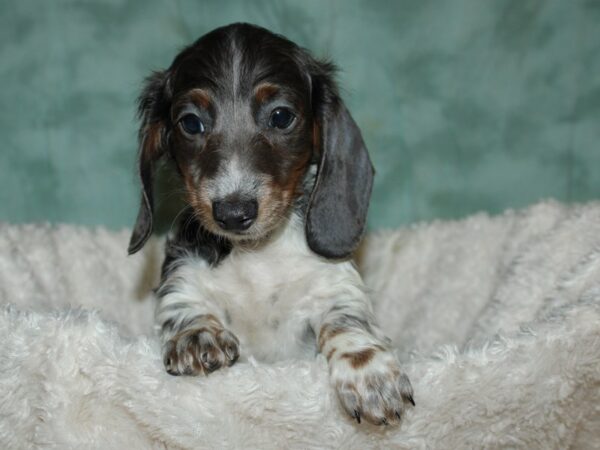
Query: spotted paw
x=200 y=351
x=370 y=385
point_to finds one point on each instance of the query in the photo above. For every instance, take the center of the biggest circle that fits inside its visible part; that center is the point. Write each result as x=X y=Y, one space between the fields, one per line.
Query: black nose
x=235 y=215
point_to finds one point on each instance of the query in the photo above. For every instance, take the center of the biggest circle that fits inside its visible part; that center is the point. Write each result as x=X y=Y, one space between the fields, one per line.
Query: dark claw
x=384 y=421
x=398 y=415
x=410 y=399
x=211 y=367
x=357 y=415
x=230 y=353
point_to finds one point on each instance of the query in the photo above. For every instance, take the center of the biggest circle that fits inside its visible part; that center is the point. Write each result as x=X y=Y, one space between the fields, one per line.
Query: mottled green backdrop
x=465 y=105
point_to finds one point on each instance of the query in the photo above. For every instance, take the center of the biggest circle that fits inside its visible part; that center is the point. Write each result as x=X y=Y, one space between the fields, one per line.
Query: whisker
x=181 y=211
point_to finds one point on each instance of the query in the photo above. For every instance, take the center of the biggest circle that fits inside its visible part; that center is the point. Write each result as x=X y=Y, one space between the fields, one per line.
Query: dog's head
x=244 y=113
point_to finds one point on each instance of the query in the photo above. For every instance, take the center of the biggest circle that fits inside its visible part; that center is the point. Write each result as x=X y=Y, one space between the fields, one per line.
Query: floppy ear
x=152 y=111
x=337 y=209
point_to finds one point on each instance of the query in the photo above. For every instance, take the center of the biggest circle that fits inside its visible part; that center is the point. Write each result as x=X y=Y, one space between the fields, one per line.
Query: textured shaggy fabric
x=497 y=321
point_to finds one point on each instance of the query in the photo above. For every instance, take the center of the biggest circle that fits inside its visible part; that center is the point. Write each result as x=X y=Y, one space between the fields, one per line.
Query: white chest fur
x=270 y=296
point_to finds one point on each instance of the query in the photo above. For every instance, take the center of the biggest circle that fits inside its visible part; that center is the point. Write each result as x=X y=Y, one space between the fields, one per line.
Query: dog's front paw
x=370 y=384
x=200 y=351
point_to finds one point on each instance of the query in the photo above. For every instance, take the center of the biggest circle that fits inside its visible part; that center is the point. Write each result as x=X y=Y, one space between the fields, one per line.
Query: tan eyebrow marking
x=200 y=97
x=197 y=96
x=265 y=91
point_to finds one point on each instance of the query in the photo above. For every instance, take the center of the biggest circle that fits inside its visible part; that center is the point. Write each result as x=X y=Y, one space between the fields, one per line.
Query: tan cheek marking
x=291 y=187
x=205 y=212
x=271 y=203
x=198 y=199
x=361 y=358
x=281 y=196
x=201 y=206
x=187 y=179
x=274 y=202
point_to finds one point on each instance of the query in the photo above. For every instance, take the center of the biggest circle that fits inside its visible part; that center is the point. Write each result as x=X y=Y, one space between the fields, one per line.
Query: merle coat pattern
x=277 y=180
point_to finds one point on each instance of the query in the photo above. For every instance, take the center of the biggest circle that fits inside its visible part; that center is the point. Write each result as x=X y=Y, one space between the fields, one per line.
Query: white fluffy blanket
x=497 y=321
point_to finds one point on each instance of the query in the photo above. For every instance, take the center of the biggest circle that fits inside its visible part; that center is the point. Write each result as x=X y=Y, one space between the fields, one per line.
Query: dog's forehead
x=234 y=60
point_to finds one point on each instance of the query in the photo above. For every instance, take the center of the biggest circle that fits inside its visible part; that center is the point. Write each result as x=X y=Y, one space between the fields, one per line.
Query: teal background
x=465 y=105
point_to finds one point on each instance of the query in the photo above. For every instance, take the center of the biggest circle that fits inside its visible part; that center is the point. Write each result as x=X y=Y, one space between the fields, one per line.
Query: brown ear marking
x=152 y=141
x=151 y=137
x=153 y=105
x=293 y=185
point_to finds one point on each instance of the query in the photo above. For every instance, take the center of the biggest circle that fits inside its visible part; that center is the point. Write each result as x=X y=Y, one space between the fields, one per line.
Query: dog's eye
x=192 y=124
x=281 y=118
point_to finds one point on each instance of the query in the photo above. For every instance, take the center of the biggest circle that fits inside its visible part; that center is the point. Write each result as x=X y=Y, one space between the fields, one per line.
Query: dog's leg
x=190 y=325
x=363 y=369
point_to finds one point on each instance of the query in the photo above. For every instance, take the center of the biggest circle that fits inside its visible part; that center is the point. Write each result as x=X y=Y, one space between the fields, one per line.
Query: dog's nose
x=235 y=215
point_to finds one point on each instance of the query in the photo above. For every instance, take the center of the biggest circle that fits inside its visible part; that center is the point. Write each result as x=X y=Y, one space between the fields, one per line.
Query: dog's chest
x=268 y=298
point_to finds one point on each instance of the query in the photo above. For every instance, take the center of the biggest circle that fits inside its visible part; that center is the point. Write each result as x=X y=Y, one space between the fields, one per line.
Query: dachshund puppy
x=277 y=179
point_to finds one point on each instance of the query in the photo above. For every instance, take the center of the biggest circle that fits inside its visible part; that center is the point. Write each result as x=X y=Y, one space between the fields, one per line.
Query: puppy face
x=243 y=113
x=240 y=129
